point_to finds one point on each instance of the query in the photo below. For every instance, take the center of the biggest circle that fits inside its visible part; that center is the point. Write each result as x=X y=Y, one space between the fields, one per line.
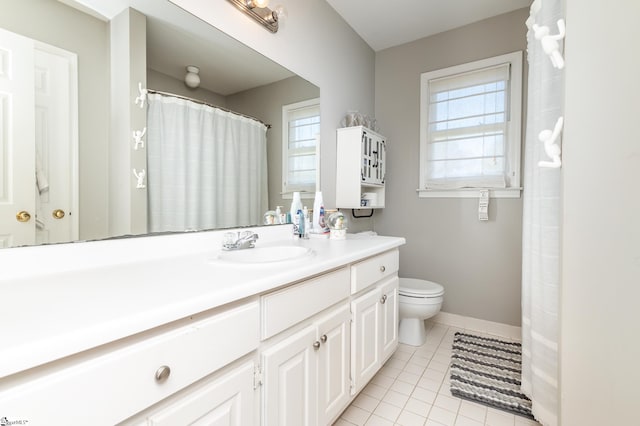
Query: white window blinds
x=467 y=129
x=300 y=162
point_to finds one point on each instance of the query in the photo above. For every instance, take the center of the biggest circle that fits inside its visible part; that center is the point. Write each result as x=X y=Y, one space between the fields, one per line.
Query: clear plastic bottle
x=307 y=222
x=296 y=205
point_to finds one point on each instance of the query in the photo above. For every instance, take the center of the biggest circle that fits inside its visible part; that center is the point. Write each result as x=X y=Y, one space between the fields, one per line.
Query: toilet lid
x=420 y=288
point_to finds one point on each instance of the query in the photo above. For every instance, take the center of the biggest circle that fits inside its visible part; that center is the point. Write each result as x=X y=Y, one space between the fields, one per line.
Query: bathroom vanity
x=167 y=330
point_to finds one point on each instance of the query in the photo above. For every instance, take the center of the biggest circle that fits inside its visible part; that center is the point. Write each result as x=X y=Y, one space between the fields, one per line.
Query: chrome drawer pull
x=162 y=374
x=382 y=268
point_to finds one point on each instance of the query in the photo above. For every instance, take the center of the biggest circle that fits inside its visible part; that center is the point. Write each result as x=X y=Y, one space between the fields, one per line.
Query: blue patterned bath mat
x=488 y=371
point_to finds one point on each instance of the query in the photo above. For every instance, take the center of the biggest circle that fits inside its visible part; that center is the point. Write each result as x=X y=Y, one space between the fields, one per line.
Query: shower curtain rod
x=186 y=98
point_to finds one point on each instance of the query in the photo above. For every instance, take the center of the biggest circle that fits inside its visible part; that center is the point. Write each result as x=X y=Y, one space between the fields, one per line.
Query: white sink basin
x=264 y=255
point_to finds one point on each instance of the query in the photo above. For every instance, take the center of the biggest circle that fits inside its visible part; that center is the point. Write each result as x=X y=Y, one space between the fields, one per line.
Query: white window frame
x=513 y=141
x=287 y=191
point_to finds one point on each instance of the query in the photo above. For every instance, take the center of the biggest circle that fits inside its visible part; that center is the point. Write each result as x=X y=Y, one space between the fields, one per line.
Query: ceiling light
x=192 y=79
x=259 y=10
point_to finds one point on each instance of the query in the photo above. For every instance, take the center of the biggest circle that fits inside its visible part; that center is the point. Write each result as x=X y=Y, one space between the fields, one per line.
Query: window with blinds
x=301 y=131
x=469 y=138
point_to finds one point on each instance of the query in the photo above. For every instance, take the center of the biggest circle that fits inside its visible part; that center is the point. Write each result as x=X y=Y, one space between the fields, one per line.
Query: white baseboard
x=479 y=325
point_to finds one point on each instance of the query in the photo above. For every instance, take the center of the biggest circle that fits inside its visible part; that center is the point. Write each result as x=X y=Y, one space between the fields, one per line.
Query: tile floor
x=412 y=388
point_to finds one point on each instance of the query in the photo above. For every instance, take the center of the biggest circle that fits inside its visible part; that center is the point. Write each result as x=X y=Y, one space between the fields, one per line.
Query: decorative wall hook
x=140 y=177
x=142 y=97
x=550 y=43
x=137 y=137
x=551 y=148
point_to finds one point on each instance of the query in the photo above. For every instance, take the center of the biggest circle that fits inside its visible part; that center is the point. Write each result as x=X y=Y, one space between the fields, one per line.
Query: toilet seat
x=412 y=287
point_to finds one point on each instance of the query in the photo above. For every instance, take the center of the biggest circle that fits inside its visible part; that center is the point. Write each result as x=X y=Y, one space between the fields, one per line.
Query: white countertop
x=79 y=305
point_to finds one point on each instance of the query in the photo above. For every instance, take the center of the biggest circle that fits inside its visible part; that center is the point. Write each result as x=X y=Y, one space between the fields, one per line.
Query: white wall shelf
x=360 y=168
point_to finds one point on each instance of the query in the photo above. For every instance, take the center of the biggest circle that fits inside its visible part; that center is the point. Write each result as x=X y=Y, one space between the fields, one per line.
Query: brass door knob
x=58 y=214
x=23 y=216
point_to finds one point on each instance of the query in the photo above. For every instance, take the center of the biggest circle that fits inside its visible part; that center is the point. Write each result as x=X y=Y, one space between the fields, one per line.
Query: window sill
x=305 y=195
x=469 y=193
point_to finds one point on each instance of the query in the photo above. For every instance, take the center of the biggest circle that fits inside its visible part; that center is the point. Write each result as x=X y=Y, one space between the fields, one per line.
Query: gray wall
x=478 y=263
x=54 y=23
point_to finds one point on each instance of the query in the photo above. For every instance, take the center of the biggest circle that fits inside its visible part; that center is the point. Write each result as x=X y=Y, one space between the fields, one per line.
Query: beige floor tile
x=387 y=411
x=407 y=418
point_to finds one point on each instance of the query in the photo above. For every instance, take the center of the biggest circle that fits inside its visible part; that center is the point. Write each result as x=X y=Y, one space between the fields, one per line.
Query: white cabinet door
x=333 y=369
x=389 y=317
x=374 y=334
x=360 y=168
x=290 y=380
x=365 y=339
x=226 y=401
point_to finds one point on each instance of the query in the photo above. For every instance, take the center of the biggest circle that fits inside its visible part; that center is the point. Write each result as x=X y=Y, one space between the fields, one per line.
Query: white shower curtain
x=206 y=167
x=541 y=227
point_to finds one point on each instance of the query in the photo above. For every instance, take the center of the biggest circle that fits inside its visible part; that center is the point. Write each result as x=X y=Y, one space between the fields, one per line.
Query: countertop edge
x=72 y=341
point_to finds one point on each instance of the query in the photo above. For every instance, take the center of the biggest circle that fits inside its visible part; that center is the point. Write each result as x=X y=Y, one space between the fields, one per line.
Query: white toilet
x=419 y=300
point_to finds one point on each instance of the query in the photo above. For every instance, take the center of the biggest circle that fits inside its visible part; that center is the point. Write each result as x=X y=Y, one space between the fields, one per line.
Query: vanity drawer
x=287 y=307
x=372 y=270
x=109 y=388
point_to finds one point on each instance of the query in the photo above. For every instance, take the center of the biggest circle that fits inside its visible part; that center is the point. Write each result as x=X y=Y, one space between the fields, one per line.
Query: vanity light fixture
x=192 y=79
x=259 y=10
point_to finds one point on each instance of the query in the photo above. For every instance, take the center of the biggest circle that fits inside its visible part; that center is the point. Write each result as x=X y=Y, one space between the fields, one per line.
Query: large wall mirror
x=72 y=102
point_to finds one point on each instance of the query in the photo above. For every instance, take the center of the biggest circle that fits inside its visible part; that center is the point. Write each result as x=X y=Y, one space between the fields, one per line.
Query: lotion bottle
x=318 y=214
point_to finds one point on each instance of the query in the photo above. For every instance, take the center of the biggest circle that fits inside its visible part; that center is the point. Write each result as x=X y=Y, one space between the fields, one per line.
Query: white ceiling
x=383 y=23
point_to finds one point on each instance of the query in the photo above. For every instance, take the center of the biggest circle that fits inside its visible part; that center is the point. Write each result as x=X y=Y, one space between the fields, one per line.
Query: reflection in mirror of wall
x=232 y=76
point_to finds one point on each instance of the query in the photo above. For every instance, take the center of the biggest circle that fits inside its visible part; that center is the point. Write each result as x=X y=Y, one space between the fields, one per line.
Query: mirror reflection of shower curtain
x=206 y=167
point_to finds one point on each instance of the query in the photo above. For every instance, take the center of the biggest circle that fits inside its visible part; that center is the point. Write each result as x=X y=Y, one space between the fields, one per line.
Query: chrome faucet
x=239 y=240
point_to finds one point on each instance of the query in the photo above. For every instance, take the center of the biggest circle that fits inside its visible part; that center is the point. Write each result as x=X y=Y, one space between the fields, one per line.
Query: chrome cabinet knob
x=316 y=345
x=323 y=338
x=162 y=373
x=383 y=299
x=382 y=268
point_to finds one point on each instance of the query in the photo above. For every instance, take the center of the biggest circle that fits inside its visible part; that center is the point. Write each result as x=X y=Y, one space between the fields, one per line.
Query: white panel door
x=389 y=317
x=56 y=141
x=290 y=381
x=333 y=366
x=365 y=339
x=227 y=401
x=17 y=152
